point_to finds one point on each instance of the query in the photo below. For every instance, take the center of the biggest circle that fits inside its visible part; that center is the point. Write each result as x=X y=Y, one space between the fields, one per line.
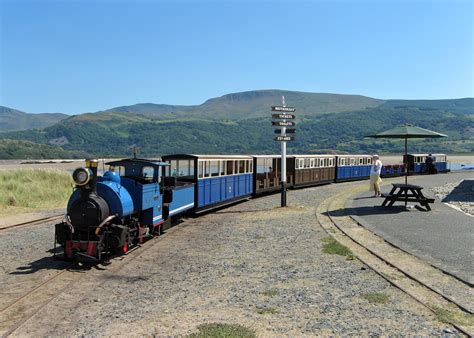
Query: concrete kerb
x=393 y=273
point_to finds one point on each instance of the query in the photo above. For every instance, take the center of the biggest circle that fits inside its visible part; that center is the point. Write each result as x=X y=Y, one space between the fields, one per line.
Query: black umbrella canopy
x=408 y=131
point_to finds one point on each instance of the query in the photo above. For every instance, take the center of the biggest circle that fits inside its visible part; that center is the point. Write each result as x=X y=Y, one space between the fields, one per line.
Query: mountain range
x=237 y=123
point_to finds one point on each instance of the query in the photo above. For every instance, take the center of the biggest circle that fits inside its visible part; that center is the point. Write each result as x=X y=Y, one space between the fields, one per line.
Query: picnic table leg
x=392 y=202
x=422 y=199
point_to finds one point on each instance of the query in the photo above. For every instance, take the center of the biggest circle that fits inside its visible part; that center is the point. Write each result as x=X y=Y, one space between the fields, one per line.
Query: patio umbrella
x=405 y=132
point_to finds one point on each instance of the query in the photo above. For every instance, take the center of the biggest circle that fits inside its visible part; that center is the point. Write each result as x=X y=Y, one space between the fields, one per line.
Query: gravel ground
x=251 y=264
x=459 y=195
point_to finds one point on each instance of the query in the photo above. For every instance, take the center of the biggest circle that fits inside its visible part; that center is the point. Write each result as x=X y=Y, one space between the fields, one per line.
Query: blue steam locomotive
x=109 y=214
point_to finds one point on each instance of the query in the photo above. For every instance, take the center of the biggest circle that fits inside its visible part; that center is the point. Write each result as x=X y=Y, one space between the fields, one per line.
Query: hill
x=12 y=119
x=114 y=134
x=253 y=104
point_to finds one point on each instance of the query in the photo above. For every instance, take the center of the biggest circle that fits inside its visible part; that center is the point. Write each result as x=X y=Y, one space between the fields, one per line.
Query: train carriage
x=219 y=179
x=267 y=173
x=352 y=167
x=314 y=169
x=417 y=163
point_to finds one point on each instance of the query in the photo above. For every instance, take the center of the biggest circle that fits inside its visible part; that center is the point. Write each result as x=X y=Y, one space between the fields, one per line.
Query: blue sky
x=76 y=56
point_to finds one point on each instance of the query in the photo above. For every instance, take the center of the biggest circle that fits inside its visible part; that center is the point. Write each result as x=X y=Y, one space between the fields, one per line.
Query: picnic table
x=407 y=193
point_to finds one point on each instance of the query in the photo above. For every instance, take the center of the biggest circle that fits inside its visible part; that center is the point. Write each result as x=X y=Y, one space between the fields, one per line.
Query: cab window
x=148 y=172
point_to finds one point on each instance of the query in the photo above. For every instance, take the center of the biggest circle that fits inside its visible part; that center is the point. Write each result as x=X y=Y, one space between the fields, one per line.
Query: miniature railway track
x=430 y=297
x=32 y=222
x=19 y=311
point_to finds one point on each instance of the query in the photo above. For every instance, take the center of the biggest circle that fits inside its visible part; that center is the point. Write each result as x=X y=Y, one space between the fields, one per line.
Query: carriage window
x=191 y=168
x=230 y=167
x=200 y=169
x=222 y=167
x=261 y=167
x=174 y=168
x=369 y=161
x=250 y=166
x=306 y=163
x=183 y=168
x=214 y=168
x=326 y=162
x=241 y=166
x=361 y=161
x=312 y=163
x=331 y=162
x=207 y=168
x=353 y=161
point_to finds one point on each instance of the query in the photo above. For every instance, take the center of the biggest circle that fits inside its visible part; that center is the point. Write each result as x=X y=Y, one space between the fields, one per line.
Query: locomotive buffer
x=282 y=116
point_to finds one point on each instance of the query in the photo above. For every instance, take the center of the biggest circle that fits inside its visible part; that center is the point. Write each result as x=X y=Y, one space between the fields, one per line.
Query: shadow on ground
x=364 y=211
x=464 y=192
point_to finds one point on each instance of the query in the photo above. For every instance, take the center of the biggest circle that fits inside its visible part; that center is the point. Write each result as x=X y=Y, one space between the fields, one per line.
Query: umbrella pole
x=406 y=169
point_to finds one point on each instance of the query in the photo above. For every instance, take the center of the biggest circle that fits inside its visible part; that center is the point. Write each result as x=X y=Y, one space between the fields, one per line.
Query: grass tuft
x=270 y=292
x=29 y=189
x=331 y=246
x=267 y=310
x=376 y=297
x=221 y=330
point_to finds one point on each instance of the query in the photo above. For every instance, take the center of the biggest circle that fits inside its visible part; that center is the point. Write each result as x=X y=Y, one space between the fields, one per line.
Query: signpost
x=288 y=131
x=283 y=124
x=283 y=116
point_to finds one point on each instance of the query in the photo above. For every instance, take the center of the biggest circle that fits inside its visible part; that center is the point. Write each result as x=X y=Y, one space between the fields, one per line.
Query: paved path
x=444 y=236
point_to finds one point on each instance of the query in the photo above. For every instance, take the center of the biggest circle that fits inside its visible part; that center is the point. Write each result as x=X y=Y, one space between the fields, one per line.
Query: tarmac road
x=444 y=236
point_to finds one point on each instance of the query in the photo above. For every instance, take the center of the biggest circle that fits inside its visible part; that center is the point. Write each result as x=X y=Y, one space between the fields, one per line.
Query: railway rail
x=19 y=311
x=368 y=250
x=32 y=222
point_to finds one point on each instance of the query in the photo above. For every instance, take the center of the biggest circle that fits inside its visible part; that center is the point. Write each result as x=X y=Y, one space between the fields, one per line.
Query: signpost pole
x=283 y=162
x=285 y=120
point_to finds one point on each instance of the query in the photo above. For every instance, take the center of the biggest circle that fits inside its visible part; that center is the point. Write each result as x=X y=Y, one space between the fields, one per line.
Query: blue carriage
x=352 y=167
x=218 y=179
x=417 y=163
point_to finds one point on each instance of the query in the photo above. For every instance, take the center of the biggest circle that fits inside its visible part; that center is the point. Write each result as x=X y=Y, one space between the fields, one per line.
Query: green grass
x=376 y=297
x=443 y=315
x=450 y=317
x=331 y=246
x=267 y=310
x=270 y=292
x=29 y=189
x=221 y=330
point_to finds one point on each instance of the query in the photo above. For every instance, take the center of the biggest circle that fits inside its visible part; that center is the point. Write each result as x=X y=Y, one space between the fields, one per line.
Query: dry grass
x=29 y=189
x=221 y=330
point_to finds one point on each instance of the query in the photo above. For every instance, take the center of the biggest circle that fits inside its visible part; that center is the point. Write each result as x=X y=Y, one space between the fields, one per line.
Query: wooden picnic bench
x=407 y=193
